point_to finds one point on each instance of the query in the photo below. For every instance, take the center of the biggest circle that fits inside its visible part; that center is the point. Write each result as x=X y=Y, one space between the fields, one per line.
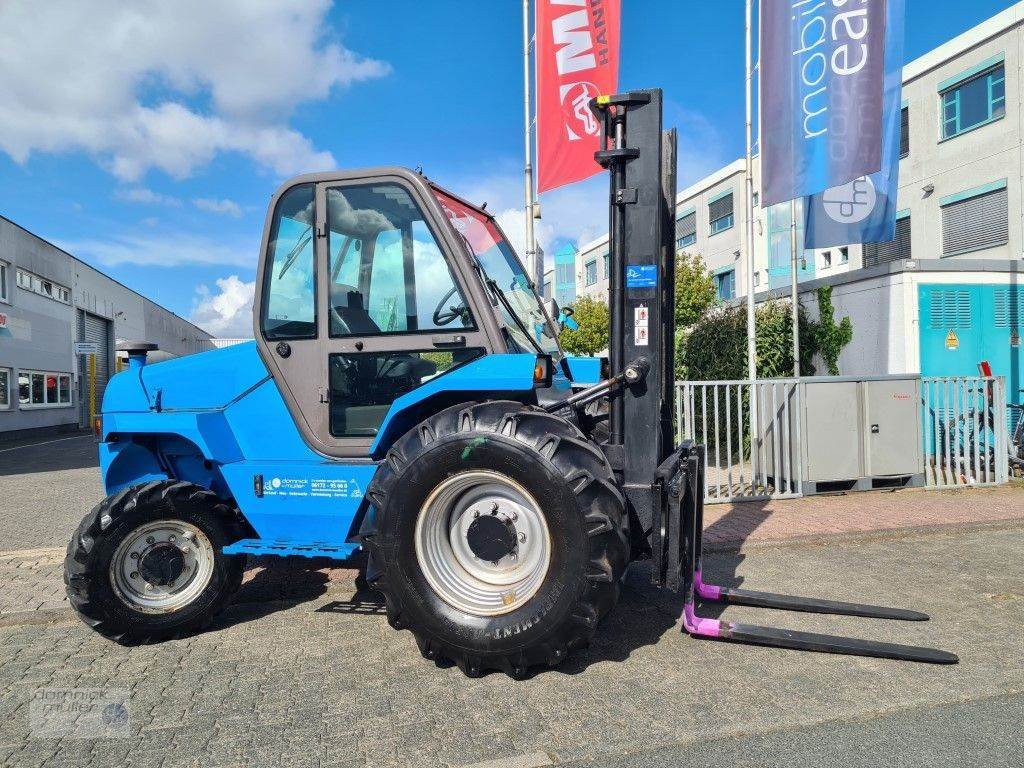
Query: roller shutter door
x=96 y=330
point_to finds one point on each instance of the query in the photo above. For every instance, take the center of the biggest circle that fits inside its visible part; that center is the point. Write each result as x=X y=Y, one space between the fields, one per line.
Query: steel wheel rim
x=142 y=551
x=459 y=577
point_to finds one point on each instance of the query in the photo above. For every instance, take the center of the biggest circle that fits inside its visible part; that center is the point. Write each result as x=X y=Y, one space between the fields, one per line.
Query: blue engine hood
x=204 y=381
x=207 y=380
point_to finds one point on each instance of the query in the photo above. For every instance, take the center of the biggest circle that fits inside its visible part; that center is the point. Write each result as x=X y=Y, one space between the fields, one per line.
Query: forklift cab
x=373 y=283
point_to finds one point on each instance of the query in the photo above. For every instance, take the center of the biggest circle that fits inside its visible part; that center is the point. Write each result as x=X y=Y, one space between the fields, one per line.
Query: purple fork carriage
x=677 y=553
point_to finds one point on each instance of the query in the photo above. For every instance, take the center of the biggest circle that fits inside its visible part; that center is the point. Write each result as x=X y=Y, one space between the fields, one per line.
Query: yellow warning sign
x=952 y=342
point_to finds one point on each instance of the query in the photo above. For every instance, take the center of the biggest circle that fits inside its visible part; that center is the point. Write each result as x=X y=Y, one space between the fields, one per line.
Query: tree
x=592 y=335
x=695 y=295
x=695 y=290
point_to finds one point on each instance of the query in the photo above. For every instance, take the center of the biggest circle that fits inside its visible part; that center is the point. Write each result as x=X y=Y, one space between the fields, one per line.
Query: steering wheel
x=444 y=316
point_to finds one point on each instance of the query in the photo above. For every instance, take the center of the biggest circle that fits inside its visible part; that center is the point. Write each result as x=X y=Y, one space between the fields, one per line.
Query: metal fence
x=964 y=434
x=744 y=462
x=965 y=430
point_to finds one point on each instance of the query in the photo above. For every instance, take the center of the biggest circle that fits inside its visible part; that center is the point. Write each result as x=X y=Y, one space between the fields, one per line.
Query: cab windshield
x=528 y=326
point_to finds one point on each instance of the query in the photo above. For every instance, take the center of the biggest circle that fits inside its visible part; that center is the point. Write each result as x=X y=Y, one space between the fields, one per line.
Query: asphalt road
x=46 y=488
x=973 y=733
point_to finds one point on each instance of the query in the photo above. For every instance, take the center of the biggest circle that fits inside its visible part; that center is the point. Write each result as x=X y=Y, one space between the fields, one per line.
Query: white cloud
x=121 y=81
x=223 y=207
x=162 y=249
x=145 y=197
x=578 y=212
x=228 y=312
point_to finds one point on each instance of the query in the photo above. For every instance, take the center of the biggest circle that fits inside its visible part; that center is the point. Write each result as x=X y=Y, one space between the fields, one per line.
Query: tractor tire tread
x=80 y=570
x=583 y=466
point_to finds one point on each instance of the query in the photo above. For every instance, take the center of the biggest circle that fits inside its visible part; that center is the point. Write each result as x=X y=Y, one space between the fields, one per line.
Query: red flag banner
x=577 y=59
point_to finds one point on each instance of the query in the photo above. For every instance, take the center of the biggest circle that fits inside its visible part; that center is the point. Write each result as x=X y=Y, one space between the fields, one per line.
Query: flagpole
x=751 y=329
x=794 y=308
x=531 y=243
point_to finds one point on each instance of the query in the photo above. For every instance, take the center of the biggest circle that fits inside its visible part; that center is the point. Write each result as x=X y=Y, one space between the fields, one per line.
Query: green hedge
x=716 y=347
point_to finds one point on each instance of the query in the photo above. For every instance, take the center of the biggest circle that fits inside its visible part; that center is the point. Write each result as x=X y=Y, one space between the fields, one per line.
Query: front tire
x=533 y=582
x=146 y=564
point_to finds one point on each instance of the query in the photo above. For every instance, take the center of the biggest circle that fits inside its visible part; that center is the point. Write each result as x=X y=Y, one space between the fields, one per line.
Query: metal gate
x=965 y=430
x=742 y=463
x=92 y=328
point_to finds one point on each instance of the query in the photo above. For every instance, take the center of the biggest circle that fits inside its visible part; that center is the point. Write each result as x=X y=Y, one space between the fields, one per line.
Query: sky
x=146 y=138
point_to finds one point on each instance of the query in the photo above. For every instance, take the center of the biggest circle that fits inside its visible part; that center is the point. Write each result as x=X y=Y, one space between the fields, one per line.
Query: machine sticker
x=1014 y=338
x=952 y=342
x=642 y=276
x=301 y=487
x=641 y=325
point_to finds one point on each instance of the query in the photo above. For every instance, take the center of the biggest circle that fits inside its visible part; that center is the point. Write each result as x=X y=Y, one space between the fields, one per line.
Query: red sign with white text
x=577 y=59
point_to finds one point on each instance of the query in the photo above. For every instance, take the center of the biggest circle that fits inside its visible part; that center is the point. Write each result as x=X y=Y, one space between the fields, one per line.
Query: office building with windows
x=946 y=292
x=49 y=302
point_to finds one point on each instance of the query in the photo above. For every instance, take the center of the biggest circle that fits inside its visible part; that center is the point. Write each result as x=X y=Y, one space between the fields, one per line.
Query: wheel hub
x=491 y=537
x=162 y=565
x=482 y=543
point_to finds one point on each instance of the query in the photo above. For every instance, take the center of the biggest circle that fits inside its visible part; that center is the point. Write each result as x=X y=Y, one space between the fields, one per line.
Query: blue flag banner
x=864 y=210
x=821 y=65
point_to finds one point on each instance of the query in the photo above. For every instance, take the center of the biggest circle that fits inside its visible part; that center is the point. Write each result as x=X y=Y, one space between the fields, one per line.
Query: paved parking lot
x=303 y=669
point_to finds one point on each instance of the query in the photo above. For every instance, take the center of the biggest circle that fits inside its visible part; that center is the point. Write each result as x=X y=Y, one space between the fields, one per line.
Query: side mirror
x=551 y=307
x=565 y=320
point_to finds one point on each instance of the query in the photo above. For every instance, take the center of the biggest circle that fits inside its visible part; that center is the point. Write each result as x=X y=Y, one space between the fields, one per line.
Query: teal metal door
x=961 y=325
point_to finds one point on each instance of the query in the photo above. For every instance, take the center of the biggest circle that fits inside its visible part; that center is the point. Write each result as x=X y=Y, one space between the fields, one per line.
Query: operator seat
x=347 y=303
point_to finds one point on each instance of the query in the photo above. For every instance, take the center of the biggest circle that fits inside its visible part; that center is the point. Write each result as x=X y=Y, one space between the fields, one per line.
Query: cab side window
x=289 y=281
x=388 y=274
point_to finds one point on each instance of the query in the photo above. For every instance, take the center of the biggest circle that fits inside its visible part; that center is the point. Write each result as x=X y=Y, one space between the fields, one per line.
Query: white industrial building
x=49 y=302
x=946 y=293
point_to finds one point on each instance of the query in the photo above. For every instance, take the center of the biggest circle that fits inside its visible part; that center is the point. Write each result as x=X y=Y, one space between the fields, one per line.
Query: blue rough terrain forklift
x=406 y=393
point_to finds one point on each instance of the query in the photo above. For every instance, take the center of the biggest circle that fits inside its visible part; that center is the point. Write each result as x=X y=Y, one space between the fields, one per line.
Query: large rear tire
x=146 y=563
x=497 y=535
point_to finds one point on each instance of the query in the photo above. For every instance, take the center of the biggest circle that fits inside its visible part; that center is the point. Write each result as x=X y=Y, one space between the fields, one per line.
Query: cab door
x=393 y=305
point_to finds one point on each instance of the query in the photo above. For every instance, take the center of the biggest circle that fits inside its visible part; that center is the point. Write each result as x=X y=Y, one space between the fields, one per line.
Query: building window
x=896 y=249
x=607 y=266
x=43 y=287
x=3 y=281
x=757 y=278
x=5 y=388
x=975 y=220
x=591 y=272
x=725 y=285
x=44 y=389
x=826 y=259
x=904 y=132
x=844 y=255
x=686 y=230
x=974 y=102
x=720 y=213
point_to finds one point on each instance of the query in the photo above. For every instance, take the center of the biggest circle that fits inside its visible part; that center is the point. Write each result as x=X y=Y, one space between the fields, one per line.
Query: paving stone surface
x=303 y=669
x=325 y=681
